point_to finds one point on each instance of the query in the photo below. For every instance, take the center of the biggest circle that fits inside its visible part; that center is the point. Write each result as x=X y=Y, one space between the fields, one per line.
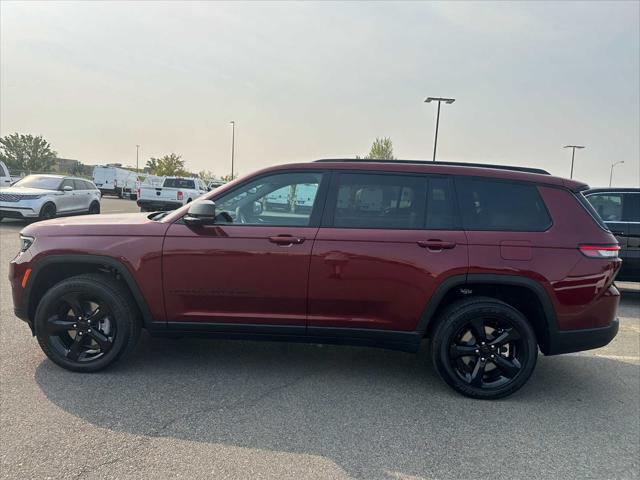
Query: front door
x=251 y=268
x=385 y=243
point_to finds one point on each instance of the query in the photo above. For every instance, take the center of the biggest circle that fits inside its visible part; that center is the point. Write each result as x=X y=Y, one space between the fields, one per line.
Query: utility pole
x=611 y=173
x=573 y=155
x=137 y=152
x=439 y=100
x=233 y=144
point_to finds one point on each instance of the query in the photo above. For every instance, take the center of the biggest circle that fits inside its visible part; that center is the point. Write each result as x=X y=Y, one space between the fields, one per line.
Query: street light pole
x=573 y=155
x=137 y=152
x=611 y=173
x=233 y=144
x=439 y=100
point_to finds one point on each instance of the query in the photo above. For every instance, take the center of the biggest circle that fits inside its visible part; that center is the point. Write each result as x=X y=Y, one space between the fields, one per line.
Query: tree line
x=29 y=153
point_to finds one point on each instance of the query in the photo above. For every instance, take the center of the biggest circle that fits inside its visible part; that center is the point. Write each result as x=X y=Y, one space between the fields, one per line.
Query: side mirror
x=201 y=213
x=67 y=188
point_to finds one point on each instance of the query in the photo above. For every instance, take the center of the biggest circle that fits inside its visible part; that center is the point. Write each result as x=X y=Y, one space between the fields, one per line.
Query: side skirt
x=389 y=339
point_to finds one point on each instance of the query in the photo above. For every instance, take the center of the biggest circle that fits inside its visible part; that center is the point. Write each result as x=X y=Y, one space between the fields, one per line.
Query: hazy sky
x=313 y=80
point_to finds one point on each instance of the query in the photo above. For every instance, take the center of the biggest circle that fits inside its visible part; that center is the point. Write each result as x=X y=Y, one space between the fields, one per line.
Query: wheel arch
x=55 y=268
x=523 y=293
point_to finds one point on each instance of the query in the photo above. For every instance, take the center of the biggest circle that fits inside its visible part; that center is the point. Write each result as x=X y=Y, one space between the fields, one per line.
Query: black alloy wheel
x=82 y=328
x=87 y=322
x=484 y=348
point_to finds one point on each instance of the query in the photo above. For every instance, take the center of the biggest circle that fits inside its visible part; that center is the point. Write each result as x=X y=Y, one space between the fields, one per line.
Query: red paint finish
x=237 y=274
x=383 y=279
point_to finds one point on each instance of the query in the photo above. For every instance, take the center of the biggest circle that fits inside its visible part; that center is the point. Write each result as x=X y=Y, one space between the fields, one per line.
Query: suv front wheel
x=87 y=322
x=484 y=348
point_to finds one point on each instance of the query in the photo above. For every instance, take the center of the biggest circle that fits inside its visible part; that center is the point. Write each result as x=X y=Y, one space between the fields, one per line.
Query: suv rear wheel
x=87 y=322
x=484 y=348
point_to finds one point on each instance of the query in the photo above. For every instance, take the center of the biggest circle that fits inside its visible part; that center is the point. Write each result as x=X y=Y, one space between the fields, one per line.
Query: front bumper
x=18 y=212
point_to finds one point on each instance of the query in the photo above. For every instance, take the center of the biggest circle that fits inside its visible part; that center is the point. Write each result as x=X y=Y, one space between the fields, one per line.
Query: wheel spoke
x=462 y=351
x=102 y=340
x=477 y=328
x=74 y=302
x=56 y=325
x=508 y=335
x=97 y=315
x=75 y=348
x=509 y=368
x=476 y=376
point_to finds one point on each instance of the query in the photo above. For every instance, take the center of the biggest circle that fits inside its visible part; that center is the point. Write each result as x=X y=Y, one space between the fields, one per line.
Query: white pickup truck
x=174 y=193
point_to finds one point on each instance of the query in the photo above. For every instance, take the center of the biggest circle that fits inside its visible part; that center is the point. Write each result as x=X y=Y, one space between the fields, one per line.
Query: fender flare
x=472 y=278
x=100 y=260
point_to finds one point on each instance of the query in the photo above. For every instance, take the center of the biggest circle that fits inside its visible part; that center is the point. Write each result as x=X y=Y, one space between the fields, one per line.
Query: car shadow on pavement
x=370 y=411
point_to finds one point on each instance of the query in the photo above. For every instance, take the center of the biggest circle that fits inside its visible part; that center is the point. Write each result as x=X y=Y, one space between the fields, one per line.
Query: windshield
x=36 y=181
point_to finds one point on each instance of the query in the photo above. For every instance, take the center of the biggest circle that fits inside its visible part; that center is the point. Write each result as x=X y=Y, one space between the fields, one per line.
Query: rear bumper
x=578 y=340
x=158 y=205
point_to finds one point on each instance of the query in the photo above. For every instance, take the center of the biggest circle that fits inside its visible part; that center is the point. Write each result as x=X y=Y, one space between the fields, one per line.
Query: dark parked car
x=619 y=208
x=489 y=264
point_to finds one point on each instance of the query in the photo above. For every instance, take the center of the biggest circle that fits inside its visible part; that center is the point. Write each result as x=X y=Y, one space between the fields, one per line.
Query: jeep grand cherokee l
x=490 y=264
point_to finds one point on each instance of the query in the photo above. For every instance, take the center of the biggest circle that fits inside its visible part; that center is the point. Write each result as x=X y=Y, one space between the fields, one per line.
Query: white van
x=115 y=181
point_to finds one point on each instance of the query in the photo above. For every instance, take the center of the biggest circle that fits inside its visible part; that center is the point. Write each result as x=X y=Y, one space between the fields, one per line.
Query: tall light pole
x=137 y=152
x=573 y=155
x=611 y=173
x=439 y=100
x=233 y=144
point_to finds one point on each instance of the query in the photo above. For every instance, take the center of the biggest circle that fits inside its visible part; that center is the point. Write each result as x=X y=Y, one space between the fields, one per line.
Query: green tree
x=382 y=149
x=168 y=166
x=229 y=177
x=27 y=153
x=207 y=175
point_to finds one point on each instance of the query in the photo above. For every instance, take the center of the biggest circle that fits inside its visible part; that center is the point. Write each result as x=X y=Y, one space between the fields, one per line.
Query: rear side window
x=380 y=201
x=441 y=205
x=608 y=206
x=179 y=183
x=88 y=185
x=79 y=185
x=631 y=207
x=495 y=205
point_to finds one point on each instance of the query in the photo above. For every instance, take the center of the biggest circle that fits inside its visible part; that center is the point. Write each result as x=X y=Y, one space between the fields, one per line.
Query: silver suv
x=48 y=196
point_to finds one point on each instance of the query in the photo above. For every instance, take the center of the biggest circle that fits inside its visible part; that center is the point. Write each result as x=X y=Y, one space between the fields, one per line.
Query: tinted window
x=285 y=199
x=79 y=185
x=441 y=205
x=631 y=207
x=379 y=201
x=88 y=185
x=179 y=183
x=608 y=206
x=494 y=205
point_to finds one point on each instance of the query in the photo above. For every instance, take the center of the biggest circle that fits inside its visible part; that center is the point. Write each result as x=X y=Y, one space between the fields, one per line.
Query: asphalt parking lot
x=193 y=408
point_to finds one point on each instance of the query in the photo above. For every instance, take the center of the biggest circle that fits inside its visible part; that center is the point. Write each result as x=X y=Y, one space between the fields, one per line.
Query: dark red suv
x=489 y=263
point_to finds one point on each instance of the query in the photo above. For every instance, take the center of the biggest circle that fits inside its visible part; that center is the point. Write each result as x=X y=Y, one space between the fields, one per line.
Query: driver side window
x=285 y=199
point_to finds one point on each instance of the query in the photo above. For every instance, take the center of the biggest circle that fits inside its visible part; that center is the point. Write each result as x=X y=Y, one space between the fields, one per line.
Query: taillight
x=180 y=196
x=598 y=251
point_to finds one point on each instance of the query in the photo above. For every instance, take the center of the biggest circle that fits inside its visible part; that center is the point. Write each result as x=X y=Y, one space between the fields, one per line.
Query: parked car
x=619 y=208
x=5 y=177
x=488 y=263
x=48 y=196
x=174 y=192
x=115 y=181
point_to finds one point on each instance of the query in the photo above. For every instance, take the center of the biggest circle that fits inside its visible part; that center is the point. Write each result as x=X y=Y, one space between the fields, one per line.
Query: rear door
x=82 y=195
x=386 y=242
x=631 y=216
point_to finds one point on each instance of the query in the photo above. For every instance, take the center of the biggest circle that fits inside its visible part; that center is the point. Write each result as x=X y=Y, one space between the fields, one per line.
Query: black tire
x=47 y=211
x=68 y=335
x=94 y=208
x=492 y=363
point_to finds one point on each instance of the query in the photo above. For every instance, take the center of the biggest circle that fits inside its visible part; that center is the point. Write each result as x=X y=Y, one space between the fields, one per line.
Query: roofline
x=429 y=162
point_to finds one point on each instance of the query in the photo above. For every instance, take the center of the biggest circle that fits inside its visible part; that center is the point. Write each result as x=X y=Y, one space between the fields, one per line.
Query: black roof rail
x=429 y=162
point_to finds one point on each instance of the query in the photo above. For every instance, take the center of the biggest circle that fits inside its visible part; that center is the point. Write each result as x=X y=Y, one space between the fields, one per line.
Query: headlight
x=25 y=242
